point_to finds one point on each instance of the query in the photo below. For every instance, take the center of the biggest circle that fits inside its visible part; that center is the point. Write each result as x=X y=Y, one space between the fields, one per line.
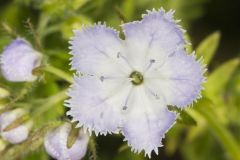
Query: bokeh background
x=210 y=130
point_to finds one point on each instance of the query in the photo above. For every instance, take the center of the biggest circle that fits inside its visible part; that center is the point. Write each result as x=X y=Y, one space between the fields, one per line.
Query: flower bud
x=15 y=126
x=62 y=143
x=18 y=61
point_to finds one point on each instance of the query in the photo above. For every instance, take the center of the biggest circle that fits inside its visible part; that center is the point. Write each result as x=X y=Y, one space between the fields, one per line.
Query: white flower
x=18 y=61
x=18 y=134
x=56 y=144
x=126 y=85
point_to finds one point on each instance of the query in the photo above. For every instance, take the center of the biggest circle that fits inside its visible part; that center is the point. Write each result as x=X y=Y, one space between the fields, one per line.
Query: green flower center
x=137 y=78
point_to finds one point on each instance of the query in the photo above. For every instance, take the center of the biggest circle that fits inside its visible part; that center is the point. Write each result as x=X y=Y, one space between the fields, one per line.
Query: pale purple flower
x=18 y=61
x=18 y=134
x=55 y=143
x=125 y=85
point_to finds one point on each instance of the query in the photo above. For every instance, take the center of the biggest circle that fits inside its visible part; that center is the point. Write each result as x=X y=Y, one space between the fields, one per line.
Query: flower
x=125 y=85
x=18 y=61
x=20 y=132
x=56 y=144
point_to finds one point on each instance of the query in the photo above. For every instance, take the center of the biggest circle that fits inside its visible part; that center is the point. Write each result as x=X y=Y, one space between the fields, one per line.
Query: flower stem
x=222 y=133
x=60 y=96
x=59 y=73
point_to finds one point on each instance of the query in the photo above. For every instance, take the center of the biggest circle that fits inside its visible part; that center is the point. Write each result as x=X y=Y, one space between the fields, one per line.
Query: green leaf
x=207 y=110
x=217 y=81
x=186 y=119
x=38 y=154
x=4 y=93
x=208 y=47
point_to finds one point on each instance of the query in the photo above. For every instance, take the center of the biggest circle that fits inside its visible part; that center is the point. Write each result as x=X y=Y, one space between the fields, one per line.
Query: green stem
x=60 y=96
x=92 y=148
x=222 y=133
x=58 y=73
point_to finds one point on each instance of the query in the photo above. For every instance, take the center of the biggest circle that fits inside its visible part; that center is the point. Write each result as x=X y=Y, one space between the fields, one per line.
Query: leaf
x=4 y=93
x=183 y=117
x=217 y=81
x=186 y=119
x=38 y=154
x=208 y=47
x=208 y=111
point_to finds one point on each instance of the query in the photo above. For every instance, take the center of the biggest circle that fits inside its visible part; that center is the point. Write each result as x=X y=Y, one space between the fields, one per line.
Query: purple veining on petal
x=179 y=80
x=154 y=47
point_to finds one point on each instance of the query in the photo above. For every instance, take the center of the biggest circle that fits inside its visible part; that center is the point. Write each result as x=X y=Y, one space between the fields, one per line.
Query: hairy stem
x=60 y=96
x=59 y=73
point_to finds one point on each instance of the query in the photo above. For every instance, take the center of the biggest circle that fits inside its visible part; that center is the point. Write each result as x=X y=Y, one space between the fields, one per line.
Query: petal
x=97 y=104
x=147 y=121
x=18 y=60
x=95 y=51
x=155 y=37
x=179 y=80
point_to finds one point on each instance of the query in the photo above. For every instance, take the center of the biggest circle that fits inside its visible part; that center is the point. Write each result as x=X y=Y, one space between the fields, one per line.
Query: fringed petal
x=147 y=121
x=178 y=80
x=96 y=51
x=156 y=36
x=97 y=104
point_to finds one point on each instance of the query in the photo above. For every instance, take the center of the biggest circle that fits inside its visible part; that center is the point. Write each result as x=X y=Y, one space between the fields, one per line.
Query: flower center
x=137 y=78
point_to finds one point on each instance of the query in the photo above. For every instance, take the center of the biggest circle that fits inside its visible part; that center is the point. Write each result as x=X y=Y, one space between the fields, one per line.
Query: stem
x=59 y=73
x=49 y=103
x=92 y=148
x=35 y=34
x=50 y=29
x=223 y=135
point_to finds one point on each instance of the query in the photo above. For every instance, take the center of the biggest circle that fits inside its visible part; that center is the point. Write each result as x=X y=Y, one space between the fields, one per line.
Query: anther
x=124 y=108
x=102 y=78
x=151 y=61
x=119 y=55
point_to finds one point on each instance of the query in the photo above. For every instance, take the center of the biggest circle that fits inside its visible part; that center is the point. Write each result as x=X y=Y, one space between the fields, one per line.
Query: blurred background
x=210 y=130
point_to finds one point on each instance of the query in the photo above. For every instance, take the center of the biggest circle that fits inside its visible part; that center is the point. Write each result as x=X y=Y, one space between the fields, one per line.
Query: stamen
x=119 y=55
x=125 y=106
x=152 y=61
x=152 y=93
x=102 y=78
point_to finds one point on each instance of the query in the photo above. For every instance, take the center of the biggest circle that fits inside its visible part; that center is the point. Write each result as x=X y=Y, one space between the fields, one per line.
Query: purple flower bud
x=20 y=132
x=18 y=61
x=55 y=144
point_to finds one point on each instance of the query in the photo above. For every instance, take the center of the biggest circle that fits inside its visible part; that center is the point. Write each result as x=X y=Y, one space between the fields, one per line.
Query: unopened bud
x=15 y=125
x=18 y=61
x=66 y=142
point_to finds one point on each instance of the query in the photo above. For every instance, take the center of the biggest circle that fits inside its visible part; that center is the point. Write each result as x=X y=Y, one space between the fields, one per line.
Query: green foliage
x=209 y=129
x=208 y=47
x=217 y=81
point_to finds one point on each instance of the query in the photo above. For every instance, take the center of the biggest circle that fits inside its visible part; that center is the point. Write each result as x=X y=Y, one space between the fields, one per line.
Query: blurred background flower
x=208 y=130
